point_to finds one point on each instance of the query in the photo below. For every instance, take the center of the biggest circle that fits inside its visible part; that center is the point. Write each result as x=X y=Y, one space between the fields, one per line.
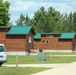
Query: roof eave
x=5 y=26
x=50 y=33
x=37 y=38
x=15 y=34
x=66 y=38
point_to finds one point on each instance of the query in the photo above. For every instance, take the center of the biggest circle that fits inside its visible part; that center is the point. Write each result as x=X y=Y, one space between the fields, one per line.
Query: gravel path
x=35 y=65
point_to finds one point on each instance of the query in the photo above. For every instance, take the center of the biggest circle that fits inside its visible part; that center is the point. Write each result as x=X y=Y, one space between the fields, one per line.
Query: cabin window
x=49 y=36
x=47 y=42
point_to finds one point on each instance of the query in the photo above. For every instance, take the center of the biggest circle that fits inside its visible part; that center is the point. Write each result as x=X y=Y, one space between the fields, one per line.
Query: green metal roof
x=19 y=30
x=37 y=36
x=67 y=36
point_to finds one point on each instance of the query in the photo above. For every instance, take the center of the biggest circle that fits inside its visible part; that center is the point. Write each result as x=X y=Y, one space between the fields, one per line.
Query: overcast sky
x=30 y=6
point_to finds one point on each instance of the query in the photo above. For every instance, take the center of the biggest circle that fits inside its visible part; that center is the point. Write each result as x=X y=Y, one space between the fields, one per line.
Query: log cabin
x=55 y=41
x=17 y=39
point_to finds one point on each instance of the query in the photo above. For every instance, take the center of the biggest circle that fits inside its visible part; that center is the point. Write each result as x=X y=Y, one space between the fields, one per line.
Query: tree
x=4 y=13
x=54 y=20
x=39 y=20
x=74 y=21
x=27 y=19
x=65 y=23
x=50 y=20
x=46 y=20
x=22 y=20
x=10 y=24
x=68 y=22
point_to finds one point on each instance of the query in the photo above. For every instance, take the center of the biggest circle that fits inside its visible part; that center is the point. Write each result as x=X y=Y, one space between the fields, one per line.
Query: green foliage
x=74 y=21
x=4 y=13
x=50 y=20
x=34 y=59
x=69 y=22
x=23 y=20
x=46 y=20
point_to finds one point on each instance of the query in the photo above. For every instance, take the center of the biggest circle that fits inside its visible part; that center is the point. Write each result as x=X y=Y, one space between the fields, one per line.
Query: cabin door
x=30 y=42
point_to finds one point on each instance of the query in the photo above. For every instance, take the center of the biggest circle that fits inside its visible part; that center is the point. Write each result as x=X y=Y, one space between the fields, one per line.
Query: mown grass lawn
x=19 y=71
x=62 y=53
x=33 y=59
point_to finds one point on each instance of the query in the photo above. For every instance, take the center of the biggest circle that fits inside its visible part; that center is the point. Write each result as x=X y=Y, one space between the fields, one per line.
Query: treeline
x=50 y=20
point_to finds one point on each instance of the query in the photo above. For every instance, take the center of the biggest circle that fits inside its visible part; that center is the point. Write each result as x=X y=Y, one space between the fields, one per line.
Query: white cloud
x=62 y=7
x=20 y=6
x=25 y=5
x=65 y=8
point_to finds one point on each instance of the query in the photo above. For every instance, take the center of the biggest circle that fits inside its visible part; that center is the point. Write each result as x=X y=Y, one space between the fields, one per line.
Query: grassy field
x=62 y=53
x=33 y=59
x=19 y=71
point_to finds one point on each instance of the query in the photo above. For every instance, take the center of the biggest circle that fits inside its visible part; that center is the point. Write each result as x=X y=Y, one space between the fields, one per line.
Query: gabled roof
x=19 y=30
x=37 y=36
x=67 y=36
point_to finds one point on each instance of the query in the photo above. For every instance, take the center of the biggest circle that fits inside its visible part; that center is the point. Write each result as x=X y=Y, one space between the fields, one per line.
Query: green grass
x=63 y=53
x=33 y=59
x=19 y=71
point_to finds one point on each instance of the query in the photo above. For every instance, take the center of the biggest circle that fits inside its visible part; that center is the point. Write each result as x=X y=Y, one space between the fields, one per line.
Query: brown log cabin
x=55 y=41
x=20 y=39
x=17 y=39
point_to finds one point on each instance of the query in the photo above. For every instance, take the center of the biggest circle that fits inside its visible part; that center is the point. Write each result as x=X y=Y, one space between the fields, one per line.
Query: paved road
x=69 y=69
x=35 y=65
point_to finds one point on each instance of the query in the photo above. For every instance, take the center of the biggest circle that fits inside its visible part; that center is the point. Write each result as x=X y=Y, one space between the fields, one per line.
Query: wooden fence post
x=16 y=60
